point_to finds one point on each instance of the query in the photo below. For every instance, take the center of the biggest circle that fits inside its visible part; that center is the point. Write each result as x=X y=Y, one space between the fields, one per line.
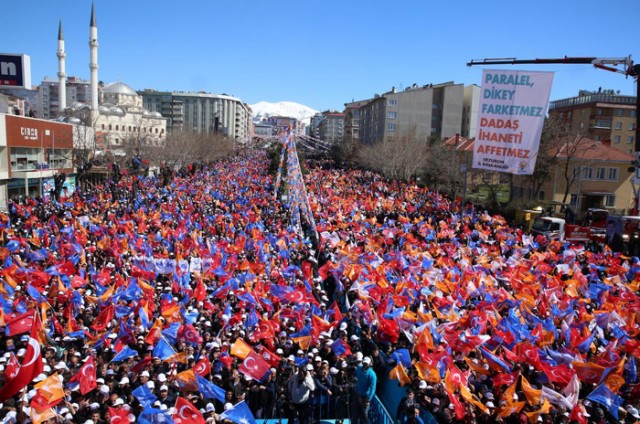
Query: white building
x=201 y=112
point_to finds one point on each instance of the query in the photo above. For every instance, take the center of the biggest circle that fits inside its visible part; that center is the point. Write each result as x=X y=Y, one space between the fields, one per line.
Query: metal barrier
x=378 y=414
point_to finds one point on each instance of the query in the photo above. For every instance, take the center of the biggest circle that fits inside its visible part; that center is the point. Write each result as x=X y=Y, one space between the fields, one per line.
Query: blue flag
x=239 y=413
x=125 y=353
x=338 y=347
x=144 y=395
x=210 y=390
x=495 y=360
x=606 y=398
x=163 y=350
x=402 y=356
x=154 y=416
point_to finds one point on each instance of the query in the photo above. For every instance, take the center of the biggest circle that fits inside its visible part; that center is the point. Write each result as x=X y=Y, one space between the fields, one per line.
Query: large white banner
x=513 y=105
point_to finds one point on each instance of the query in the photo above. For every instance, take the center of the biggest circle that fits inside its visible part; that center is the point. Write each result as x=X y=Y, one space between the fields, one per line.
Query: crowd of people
x=193 y=299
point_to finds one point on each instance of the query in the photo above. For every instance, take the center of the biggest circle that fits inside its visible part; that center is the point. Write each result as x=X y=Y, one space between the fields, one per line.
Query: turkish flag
x=19 y=324
x=254 y=366
x=31 y=365
x=264 y=330
x=577 y=414
x=200 y=292
x=202 y=367
x=86 y=376
x=12 y=368
x=187 y=413
x=189 y=334
x=271 y=358
x=100 y=323
x=118 y=416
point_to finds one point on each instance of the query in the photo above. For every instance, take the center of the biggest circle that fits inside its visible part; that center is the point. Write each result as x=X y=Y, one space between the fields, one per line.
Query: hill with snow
x=263 y=110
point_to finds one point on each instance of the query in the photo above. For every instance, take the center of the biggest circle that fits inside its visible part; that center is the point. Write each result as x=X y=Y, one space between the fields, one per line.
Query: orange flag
x=471 y=398
x=533 y=415
x=187 y=380
x=303 y=341
x=240 y=348
x=51 y=388
x=398 y=373
x=427 y=373
x=532 y=395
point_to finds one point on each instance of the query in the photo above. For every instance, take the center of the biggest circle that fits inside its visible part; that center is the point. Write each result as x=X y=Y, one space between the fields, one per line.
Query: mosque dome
x=119 y=88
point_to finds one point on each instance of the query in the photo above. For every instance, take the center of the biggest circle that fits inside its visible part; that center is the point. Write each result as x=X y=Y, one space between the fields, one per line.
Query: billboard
x=15 y=70
x=68 y=188
x=513 y=106
x=31 y=132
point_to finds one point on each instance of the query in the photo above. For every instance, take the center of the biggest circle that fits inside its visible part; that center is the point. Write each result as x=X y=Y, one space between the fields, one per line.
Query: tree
x=444 y=168
x=182 y=148
x=403 y=158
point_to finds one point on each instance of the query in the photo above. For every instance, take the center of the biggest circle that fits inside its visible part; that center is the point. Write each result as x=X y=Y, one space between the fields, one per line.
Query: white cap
x=333 y=371
x=228 y=406
x=104 y=389
x=162 y=378
x=118 y=402
x=151 y=384
x=343 y=326
x=309 y=367
x=354 y=337
x=94 y=406
x=144 y=374
x=164 y=387
x=210 y=408
x=367 y=361
x=422 y=384
x=359 y=356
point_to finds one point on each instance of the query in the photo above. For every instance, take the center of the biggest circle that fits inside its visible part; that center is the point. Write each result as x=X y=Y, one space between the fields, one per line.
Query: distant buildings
x=77 y=91
x=602 y=115
x=328 y=126
x=201 y=112
x=417 y=111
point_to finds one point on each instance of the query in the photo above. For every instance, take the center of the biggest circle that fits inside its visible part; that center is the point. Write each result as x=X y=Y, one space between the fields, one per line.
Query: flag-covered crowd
x=194 y=299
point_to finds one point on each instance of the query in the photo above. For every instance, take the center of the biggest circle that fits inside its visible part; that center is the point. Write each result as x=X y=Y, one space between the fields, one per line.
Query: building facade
x=331 y=128
x=48 y=106
x=32 y=152
x=600 y=115
x=470 y=111
x=201 y=112
x=417 y=111
x=352 y=116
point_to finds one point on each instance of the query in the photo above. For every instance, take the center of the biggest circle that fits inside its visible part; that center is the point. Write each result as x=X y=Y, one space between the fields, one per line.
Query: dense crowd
x=192 y=297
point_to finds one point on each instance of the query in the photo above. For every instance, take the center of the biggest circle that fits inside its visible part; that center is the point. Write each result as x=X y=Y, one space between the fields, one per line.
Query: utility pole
x=608 y=64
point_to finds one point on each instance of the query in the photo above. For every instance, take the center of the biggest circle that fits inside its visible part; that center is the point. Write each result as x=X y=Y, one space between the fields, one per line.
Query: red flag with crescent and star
x=187 y=413
x=31 y=366
x=118 y=416
x=202 y=367
x=86 y=377
x=254 y=366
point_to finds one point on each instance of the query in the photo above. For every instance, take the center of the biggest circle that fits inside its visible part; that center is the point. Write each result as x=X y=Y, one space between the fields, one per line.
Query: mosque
x=115 y=112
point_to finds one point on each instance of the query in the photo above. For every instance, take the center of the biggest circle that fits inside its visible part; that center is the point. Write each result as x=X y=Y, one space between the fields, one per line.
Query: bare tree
x=444 y=169
x=181 y=148
x=405 y=157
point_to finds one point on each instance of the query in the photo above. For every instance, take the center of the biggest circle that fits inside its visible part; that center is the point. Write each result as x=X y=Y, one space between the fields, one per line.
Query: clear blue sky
x=321 y=53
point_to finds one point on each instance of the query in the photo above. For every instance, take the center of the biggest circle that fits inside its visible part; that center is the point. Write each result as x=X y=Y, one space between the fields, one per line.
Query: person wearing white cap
x=366 y=381
x=299 y=388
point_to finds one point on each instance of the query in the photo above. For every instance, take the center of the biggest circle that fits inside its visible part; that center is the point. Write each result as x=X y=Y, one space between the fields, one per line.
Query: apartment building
x=201 y=112
x=600 y=115
x=417 y=111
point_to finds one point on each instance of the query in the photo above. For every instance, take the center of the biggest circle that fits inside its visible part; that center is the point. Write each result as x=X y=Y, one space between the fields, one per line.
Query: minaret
x=62 y=76
x=93 y=65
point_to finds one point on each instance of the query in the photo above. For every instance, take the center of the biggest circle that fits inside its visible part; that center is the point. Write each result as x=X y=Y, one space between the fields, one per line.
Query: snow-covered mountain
x=263 y=110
